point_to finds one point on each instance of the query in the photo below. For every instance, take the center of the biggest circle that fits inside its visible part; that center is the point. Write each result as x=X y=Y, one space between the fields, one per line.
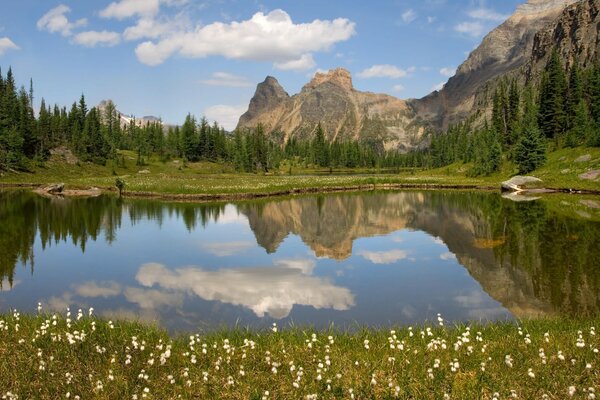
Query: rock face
x=519 y=48
x=345 y=113
x=516 y=46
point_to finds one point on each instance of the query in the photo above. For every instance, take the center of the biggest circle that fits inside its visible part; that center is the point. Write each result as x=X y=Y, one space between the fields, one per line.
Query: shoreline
x=76 y=191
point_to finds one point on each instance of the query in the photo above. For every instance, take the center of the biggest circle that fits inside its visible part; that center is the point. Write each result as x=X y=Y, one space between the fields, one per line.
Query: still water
x=368 y=259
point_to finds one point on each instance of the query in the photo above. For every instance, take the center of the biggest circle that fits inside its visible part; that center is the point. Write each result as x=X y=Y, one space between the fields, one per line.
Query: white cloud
x=472 y=28
x=7 y=44
x=447 y=256
x=226 y=116
x=55 y=21
x=398 y=88
x=305 y=265
x=383 y=257
x=93 y=289
x=487 y=14
x=272 y=291
x=438 y=87
x=448 y=71
x=385 y=71
x=231 y=215
x=227 y=80
x=224 y=249
x=130 y=8
x=306 y=61
x=409 y=16
x=95 y=38
x=430 y=19
x=151 y=28
x=270 y=37
x=152 y=299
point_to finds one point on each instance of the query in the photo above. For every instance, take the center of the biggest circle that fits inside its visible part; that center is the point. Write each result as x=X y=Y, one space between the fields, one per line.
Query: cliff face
x=345 y=113
x=517 y=49
x=504 y=50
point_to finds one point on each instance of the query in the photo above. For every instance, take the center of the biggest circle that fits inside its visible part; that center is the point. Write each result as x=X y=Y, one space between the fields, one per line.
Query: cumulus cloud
x=94 y=289
x=227 y=116
x=487 y=14
x=471 y=28
x=130 y=8
x=409 y=16
x=272 y=291
x=448 y=71
x=152 y=28
x=383 y=257
x=6 y=44
x=97 y=38
x=152 y=299
x=264 y=37
x=398 y=88
x=385 y=71
x=224 y=249
x=227 y=80
x=306 y=265
x=447 y=256
x=55 y=21
x=306 y=61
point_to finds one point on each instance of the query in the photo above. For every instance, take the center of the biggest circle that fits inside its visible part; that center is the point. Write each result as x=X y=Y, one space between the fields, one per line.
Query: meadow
x=214 y=180
x=76 y=355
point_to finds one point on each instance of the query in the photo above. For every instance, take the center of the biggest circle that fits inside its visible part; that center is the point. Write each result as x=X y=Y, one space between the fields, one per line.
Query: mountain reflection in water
x=370 y=258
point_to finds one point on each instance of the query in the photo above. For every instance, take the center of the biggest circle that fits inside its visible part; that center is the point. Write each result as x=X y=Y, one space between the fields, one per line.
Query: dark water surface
x=374 y=259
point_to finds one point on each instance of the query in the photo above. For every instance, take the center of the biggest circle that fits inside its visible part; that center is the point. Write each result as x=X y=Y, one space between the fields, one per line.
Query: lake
x=347 y=260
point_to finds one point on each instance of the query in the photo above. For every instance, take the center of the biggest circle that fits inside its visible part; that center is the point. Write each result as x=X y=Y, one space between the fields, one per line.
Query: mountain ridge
x=518 y=48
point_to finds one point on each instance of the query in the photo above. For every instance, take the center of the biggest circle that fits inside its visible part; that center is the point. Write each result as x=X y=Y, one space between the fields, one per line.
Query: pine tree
x=574 y=95
x=530 y=150
x=552 y=115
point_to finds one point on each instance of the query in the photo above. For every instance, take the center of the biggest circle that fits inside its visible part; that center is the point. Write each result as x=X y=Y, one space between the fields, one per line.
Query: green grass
x=172 y=177
x=47 y=357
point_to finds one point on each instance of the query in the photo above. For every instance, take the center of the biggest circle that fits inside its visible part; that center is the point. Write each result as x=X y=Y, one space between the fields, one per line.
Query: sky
x=168 y=58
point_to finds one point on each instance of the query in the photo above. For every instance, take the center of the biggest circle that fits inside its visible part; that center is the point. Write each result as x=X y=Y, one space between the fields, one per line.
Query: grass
x=172 y=177
x=51 y=356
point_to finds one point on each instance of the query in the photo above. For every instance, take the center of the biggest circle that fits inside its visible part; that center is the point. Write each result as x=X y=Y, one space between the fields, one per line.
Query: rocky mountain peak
x=269 y=94
x=338 y=76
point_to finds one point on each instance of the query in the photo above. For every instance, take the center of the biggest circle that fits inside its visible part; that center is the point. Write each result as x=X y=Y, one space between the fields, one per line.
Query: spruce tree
x=552 y=115
x=530 y=150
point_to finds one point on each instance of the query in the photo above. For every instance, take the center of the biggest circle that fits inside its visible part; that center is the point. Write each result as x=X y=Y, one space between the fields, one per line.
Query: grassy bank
x=52 y=357
x=210 y=179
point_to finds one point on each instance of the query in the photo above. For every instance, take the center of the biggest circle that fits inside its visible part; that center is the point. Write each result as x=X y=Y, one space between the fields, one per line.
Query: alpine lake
x=350 y=260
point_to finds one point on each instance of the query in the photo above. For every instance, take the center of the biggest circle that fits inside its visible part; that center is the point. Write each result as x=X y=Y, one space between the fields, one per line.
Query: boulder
x=518 y=183
x=590 y=175
x=583 y=158
x=54 y=189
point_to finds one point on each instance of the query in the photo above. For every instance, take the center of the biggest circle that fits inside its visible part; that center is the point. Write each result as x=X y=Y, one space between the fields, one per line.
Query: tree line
x=562 y=109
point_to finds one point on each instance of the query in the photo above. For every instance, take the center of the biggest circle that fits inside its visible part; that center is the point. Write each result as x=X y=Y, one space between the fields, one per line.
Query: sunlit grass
x=205 y=178
x=78 y=356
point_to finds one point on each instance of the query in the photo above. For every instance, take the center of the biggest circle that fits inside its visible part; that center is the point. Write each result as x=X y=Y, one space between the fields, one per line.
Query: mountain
x=126 y=119
x=517 y=49
x=344 y=112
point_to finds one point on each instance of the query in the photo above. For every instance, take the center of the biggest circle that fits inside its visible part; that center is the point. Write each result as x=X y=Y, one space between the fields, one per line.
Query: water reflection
x=373 y=258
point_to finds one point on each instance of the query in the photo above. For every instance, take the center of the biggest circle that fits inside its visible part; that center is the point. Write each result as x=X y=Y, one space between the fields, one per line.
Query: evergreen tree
x=574 y=96
x=530 y=150
x=552 y=116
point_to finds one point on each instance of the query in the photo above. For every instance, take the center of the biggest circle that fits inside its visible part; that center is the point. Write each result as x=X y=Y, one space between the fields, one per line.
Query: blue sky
x=170 y=57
